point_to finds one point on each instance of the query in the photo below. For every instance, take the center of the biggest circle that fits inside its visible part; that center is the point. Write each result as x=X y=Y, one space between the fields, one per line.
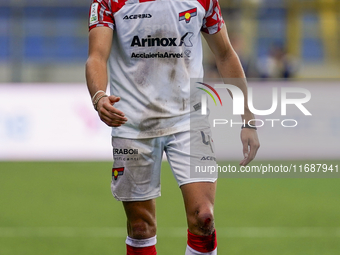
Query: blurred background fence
x=46 y=41
x=43 y=41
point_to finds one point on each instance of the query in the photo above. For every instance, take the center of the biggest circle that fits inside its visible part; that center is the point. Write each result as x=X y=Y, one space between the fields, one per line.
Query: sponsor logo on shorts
x=120 y=154
x=117 y=151
x=187 y=15
x=125 y=158
x=138 y=16
x=117 y=172
x=208 y=158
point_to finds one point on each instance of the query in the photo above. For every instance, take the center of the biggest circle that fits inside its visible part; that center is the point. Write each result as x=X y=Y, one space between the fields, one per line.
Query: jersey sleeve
x=213 y=21
x=101 y=14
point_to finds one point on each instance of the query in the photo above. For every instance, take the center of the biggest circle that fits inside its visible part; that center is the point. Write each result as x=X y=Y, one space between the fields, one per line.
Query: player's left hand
x=251 y=144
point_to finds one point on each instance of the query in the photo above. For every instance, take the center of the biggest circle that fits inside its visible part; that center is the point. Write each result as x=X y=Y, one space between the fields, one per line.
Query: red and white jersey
x=156 y=49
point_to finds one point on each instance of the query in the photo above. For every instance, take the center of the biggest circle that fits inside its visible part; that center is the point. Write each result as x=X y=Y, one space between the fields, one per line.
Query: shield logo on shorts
x=117 y=171
x=207 y=142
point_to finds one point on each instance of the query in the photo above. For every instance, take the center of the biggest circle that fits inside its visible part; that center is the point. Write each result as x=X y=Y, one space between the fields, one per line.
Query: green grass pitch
x=67 y=208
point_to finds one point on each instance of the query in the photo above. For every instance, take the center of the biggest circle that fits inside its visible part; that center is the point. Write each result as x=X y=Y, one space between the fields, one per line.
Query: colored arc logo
x=209 y=93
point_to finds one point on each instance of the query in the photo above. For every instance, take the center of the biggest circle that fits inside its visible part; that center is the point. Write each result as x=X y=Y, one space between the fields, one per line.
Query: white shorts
x=137 y=163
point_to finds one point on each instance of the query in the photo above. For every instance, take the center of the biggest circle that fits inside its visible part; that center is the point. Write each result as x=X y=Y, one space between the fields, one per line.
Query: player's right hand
x=109 y=114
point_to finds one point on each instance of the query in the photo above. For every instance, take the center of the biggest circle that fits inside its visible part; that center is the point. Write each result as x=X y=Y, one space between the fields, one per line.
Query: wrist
x=96 y=98
x=249 y=126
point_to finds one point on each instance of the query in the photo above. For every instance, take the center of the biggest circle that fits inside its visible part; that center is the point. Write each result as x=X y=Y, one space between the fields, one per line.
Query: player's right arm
x=100 y=41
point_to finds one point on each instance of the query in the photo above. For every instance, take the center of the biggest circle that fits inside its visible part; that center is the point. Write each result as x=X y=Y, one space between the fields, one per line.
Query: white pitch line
x=61 y=232
x=231 y=232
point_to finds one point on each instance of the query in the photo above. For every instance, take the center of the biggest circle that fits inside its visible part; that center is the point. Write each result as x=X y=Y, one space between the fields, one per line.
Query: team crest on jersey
x=117 y=172
x=187 y=15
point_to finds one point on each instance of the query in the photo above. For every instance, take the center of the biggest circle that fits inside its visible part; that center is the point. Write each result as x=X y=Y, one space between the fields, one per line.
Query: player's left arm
x=229 y=66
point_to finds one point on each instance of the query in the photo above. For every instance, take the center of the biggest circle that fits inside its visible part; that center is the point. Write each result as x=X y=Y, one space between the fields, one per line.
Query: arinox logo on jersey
x=187 y=15
x=155 y=41
x=117 y=151
x=138 y=16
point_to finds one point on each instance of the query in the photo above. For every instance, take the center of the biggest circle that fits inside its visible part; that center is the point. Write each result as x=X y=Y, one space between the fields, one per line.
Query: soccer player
x=153 y=49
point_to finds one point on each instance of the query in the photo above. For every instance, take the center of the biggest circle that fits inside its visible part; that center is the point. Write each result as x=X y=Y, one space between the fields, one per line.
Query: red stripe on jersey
x=143 y=1
x=202 y=243
x=205 y=4
x=151 y=250
x=214 y=22
x=116 y=6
